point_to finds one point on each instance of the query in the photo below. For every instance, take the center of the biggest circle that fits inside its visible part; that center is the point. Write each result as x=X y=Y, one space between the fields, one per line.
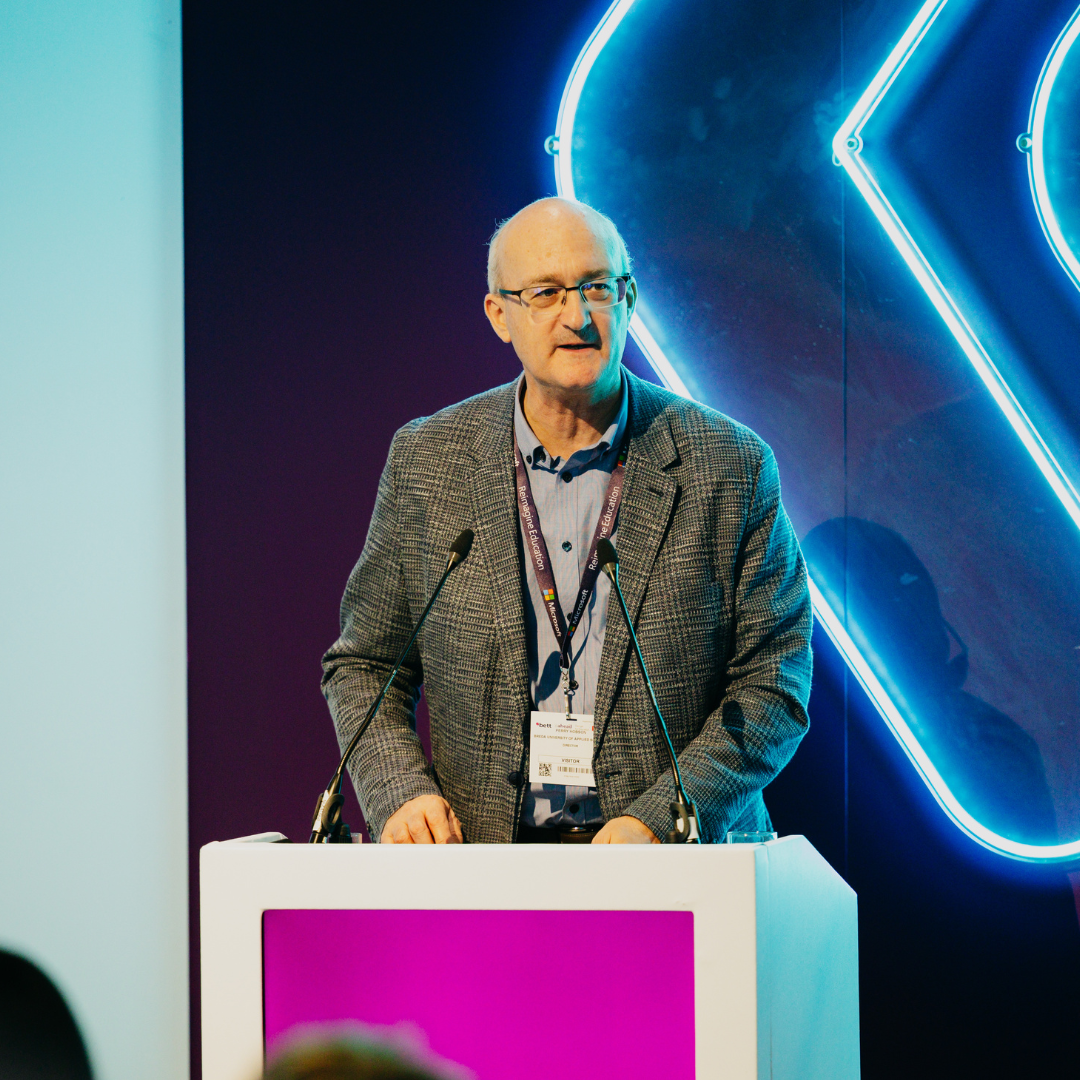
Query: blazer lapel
x=644 y=517
x=495 y=513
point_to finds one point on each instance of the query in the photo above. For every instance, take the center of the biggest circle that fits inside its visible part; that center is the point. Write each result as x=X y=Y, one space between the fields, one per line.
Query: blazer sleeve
x=757 y=726
x=388 y=767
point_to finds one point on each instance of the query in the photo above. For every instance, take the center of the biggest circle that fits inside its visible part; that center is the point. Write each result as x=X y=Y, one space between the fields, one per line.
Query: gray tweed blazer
x=713 y=578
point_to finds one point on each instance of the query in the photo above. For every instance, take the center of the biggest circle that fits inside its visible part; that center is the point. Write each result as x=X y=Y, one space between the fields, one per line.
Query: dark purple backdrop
x=344 y=164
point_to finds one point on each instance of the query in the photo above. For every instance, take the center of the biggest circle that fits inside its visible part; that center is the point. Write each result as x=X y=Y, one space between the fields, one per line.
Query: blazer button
x=514 y=778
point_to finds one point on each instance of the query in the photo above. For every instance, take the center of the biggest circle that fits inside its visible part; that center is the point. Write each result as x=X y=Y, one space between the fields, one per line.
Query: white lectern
x=738 y=961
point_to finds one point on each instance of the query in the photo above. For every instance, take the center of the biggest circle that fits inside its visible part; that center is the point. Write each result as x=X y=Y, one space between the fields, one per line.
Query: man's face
x=580 y=349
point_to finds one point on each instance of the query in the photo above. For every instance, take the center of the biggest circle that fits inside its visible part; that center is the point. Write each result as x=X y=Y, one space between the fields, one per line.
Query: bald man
x=541 y=725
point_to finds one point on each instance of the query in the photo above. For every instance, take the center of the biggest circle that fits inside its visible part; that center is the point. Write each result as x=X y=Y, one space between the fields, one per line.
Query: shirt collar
x=528 y=442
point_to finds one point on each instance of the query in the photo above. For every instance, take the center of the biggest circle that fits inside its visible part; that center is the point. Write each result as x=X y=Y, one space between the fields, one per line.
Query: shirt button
x=567 y=476
x=573 y=808
x=567 y=546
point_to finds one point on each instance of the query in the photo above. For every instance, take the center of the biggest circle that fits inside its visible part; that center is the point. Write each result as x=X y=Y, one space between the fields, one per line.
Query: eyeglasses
x=544 y=302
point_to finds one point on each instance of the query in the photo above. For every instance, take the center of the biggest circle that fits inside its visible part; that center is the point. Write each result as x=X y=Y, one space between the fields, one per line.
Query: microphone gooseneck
x=327 y=826
x=684 y=815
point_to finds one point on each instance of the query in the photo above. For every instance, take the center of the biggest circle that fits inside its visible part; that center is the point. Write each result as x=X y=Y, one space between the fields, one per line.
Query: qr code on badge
x=545 y=768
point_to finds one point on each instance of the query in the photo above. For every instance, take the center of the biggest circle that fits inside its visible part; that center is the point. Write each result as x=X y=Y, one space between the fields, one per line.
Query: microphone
x=327 y=826
x=684 y=815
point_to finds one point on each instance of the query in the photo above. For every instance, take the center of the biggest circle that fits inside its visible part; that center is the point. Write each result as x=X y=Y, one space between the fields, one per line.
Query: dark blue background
x=344 y=165
x=954 y=141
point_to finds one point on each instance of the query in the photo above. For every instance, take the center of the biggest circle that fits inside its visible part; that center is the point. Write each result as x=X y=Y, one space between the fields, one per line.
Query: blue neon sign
x=1052 y=142
x=849 y=147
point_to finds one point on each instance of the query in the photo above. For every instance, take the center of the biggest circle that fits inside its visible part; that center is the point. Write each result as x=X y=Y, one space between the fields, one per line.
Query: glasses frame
x=580 y=289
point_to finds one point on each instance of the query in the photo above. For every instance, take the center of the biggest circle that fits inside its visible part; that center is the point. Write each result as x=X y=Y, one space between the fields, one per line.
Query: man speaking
x=541 y=724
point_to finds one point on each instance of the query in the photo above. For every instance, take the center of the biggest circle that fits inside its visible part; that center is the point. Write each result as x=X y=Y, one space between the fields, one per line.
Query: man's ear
x=495 y=310
x=631 y=298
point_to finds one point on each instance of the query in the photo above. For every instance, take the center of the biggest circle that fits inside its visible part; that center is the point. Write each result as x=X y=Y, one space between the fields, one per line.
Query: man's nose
x=575 y=313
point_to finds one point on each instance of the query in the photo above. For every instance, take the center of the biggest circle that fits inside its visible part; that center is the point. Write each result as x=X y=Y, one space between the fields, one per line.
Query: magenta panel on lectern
x=509 y=994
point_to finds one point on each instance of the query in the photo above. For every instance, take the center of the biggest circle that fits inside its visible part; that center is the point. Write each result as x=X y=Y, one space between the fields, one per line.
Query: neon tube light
x=564 y=174
x=847 y=146
x=1035 y=145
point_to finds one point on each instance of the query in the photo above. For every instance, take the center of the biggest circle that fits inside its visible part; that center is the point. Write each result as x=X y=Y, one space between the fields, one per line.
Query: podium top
x=260 y=873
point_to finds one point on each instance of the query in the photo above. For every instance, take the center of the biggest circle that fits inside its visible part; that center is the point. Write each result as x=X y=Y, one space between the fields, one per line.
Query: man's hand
x=427 y=819
x=625 y=830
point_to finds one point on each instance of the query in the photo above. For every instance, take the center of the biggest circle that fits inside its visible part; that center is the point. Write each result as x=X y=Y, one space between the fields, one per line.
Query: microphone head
x=461 y=547
x=607 y=557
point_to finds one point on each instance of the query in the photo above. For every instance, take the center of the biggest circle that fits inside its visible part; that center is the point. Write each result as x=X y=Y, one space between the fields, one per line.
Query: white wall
x=92 y=633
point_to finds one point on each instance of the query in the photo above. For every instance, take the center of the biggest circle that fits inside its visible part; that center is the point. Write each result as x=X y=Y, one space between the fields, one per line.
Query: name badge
x=561 y=749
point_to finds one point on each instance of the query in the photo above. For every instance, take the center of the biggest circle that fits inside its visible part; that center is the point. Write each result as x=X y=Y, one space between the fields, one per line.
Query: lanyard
x=536 y=546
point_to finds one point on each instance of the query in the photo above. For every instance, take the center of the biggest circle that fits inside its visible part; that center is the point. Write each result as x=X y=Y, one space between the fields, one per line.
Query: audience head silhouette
x=39 y=1039
x=360 y=1054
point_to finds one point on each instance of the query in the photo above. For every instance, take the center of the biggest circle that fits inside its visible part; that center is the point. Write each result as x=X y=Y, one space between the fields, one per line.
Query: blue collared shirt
x=569 y=496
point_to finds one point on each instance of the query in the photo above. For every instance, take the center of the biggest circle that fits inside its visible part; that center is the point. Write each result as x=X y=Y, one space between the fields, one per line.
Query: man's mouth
x=579 y=345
